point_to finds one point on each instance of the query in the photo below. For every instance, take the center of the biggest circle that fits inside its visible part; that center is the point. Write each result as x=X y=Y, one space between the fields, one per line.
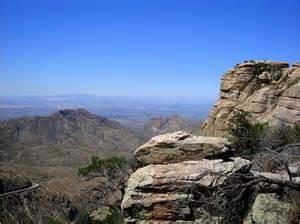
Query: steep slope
x=161 y=125
x=49 y=151
x=26 y=202
x=269 y=91
x=66 y=136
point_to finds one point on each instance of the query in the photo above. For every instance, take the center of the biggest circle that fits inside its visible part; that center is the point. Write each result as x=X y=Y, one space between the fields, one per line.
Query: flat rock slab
x=180 y=146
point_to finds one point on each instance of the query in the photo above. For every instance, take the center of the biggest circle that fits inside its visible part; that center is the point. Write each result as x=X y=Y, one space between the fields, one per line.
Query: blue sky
x=152 y=48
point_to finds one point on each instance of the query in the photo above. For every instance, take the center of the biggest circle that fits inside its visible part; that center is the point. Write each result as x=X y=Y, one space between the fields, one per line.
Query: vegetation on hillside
x=111 y=216
x=52 y=220
x=245 y=135
x=250 y=137
x=108 y=165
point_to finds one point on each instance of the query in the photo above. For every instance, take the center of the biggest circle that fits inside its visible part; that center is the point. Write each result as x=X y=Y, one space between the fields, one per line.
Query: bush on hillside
x=245 y=135
x=261 y=142
x=279 y=136
x=52 y=220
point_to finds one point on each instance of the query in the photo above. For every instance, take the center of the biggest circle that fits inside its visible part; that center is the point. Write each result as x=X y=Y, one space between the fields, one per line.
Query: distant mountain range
x=130 y=111
x=66 y=136
x=161 y=125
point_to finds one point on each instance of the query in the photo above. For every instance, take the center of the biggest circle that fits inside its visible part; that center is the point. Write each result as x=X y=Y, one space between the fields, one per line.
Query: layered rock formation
x=171 y=192
x=181 y=146
x=269 y=91
x=193 y=179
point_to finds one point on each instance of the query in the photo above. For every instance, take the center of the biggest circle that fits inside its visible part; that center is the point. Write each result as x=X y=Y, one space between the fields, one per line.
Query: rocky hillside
x=69 y=128
x=161 y=125
x=9 y=181
x=269 y=91
x=26 y=202
x=64 y=137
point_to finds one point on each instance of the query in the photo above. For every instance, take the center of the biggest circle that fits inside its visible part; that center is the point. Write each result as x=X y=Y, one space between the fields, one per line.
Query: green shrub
x=108 y=165
x=83 y=218
x=115 y=217
x=250 y=137
x=278 y=136
x=52 y=220
x=245 y=135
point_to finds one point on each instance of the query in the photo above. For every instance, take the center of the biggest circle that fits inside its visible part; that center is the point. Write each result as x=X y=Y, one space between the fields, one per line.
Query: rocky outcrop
x=193 y=179
x=171 y=192
x=181 y=146
x=269 y=91
x=197 y=179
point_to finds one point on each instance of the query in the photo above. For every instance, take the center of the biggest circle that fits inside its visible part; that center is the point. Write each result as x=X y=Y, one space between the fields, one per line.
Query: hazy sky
x=141 y=47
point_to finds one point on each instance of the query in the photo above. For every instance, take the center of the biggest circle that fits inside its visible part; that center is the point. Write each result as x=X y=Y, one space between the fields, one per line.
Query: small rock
x=267 y=208
x=265 y=76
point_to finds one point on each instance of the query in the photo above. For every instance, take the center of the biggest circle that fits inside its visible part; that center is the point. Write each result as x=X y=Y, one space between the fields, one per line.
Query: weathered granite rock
x=165 y=192
x=181 y=146
x=267 y=208
x=269 y=91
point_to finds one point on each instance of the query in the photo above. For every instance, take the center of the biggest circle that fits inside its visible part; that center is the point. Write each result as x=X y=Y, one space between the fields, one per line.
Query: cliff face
x=269 y=91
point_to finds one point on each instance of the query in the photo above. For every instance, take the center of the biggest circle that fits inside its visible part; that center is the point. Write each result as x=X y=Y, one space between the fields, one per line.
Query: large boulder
x=269 y=91
x=267 y=208
x=181 y=146
x=171 y=192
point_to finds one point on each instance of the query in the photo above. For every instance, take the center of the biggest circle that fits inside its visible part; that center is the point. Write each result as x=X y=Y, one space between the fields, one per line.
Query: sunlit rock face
x=168 y=192
x=269 y=91
x=181 y=146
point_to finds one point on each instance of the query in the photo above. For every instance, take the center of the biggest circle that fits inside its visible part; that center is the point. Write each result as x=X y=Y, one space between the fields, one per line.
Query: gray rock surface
x=267 y=208
x=180 y=146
